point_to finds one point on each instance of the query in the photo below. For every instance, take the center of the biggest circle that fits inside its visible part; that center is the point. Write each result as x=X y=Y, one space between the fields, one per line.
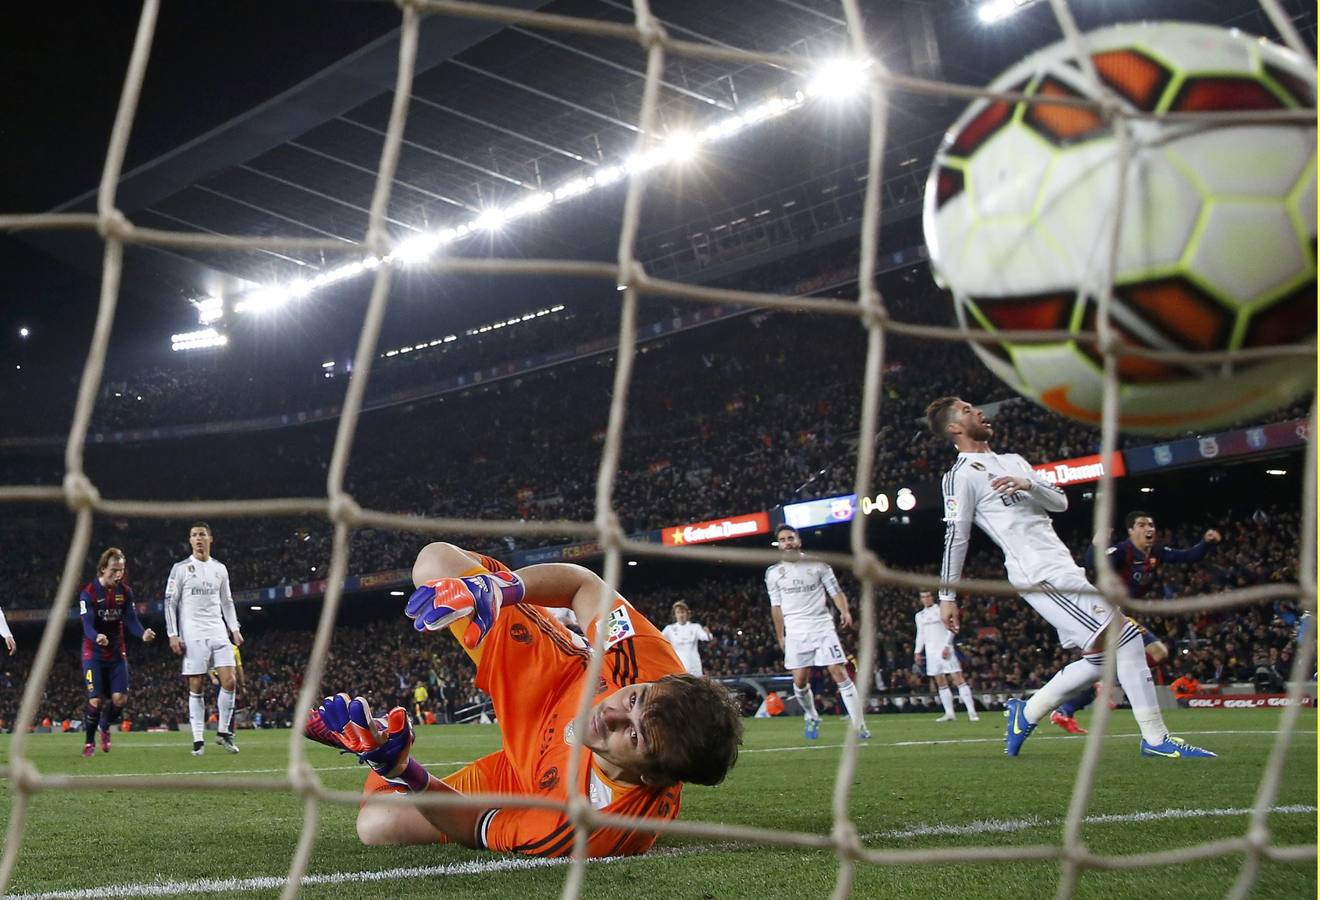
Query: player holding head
x=1135 y=560
x=1011 y=503
x=651 y=727
x=935 y=642
x=798 y=588
x=106 y=606
x=685 y=634
x=200 y=620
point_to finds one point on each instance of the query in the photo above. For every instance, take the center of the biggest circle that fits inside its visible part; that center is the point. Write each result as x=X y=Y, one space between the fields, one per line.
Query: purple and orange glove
x=382 y=743
x=479 y=598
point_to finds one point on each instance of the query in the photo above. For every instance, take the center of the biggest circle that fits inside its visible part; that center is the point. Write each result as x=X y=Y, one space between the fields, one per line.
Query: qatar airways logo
x=716 y=530
x=1080 y=470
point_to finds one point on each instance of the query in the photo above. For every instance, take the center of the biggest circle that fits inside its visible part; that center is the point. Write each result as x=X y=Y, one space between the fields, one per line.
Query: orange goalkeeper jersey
x=533 y=669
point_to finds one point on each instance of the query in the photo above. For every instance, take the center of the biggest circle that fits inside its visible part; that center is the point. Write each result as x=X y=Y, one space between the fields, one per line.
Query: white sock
x=848 y=693
x=965 y=695
x=226 y=704
x=197 y=715
x=946 y=697
x=1065 y=682
x=806 y=701
x=1134 y=676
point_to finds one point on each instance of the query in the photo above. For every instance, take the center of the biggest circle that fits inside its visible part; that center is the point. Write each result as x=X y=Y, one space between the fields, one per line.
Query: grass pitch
x=918 y=784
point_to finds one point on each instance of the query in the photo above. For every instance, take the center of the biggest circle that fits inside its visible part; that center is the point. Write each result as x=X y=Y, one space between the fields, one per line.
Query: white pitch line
x=162 y=888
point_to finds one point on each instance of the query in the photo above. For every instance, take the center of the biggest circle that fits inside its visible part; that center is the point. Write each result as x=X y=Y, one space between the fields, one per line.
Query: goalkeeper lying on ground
x=651 y=727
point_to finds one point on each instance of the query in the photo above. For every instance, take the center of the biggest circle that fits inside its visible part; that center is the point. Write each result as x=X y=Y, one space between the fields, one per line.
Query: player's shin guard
x=91 y=719
x=1066 y=681
x=226 y=703
x=806 y=700
x=197 y=715
x=851 y=702
x=946 y=700
x=1134 y=676
x=965 y=695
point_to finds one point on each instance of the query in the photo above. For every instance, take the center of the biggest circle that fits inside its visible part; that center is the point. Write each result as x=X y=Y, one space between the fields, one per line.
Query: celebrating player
x=798 y=587
x=935 y=643
x=685 y=634
x=651 y=728
x=1135 y=560
x=106 y=605
x=200 y=620
x=1011 y=503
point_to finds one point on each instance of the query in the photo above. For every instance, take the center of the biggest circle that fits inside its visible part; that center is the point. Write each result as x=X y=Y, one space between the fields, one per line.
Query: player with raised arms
x=934 y=643
x=106 y=605
x=652 y=727
x=1135 y=560
x=798 y=588
x=203 y=628
x=685 y=635
x=1011 y=503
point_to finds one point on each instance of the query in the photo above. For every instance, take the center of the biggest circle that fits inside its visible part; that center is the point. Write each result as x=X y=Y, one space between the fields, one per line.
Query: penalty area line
x=163 y=888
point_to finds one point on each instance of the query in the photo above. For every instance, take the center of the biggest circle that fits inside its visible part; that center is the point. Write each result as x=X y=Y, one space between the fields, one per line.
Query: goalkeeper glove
x=381 y=743
x=479 y=598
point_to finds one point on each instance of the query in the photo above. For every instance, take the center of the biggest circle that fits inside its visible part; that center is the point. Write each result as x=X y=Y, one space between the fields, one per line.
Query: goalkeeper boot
x=440 y=603
x=1018 y=729
x=382 y=743
x=1175 y=748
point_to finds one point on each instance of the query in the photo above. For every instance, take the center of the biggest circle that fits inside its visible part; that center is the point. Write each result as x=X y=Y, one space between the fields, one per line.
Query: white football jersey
x=1019 y=523
x=198 y=603
x=4 y=627
x=932 y=636
x=684 y=639
x=801 y=588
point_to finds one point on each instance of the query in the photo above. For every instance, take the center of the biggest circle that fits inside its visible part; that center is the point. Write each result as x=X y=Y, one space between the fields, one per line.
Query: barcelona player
x=106 y=606
x=652 y=726
x=1135 y=561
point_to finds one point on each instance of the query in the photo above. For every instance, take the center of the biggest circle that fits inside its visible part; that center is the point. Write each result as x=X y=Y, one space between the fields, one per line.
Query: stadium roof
x=496 y=112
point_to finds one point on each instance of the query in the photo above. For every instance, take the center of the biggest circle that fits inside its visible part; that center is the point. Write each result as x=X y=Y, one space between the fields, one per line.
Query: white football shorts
x=815 y=648
x=203 y=655
x=938 y=665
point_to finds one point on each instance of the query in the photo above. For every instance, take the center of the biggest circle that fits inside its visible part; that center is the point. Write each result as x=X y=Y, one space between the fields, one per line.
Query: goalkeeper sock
x=197 y=715
x=806 y=701
x=226 y=703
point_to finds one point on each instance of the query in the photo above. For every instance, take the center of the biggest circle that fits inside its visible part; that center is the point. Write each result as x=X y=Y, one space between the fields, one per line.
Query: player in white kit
x=1011 y=503
x=934 y=642
x=200 y=621
x=798 y=589
x=685 y=634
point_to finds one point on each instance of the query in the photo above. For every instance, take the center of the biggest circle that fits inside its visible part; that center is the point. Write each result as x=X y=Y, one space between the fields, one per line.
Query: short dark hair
x=201 y=525
x=1137 y=514
x=937 y=414
x=694 y=728
x=786 y=527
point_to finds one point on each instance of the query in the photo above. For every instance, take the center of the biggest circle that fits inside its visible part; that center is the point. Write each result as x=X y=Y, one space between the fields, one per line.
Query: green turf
x=91 y=839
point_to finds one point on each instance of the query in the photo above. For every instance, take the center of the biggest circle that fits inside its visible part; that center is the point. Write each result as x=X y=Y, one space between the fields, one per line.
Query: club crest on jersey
x=191 y=569
x=619 y=628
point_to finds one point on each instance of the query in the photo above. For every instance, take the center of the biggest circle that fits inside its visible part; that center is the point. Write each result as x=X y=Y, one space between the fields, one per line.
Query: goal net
x=868 y=308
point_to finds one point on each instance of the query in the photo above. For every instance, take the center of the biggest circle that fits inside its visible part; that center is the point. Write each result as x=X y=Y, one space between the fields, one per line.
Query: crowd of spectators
x=1003 y=645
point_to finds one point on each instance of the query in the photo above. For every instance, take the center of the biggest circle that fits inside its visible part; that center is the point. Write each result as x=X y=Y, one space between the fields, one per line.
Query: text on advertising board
x=716 y=530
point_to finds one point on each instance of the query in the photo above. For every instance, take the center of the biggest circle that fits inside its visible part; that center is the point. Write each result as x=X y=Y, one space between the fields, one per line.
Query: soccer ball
x=1217 y=232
